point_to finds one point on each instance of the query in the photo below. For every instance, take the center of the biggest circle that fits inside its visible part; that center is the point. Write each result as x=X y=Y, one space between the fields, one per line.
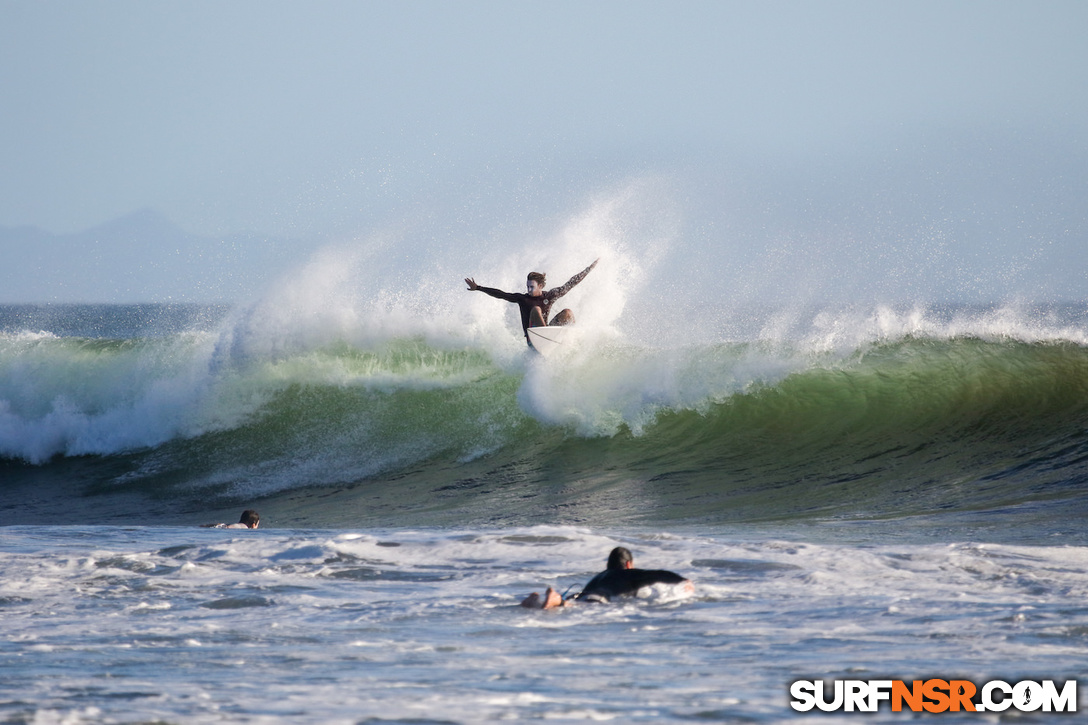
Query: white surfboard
x=547 y=340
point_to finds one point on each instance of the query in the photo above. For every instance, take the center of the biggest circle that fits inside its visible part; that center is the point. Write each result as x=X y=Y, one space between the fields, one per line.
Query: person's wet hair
x=619 y=558
x=250 y=518
x=536 y=276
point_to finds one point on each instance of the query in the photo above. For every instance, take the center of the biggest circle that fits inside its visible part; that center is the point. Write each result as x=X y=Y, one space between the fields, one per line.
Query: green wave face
x=408 y=430
x=894 y=430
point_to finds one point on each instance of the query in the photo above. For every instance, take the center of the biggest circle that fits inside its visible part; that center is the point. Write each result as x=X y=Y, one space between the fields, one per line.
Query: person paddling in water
x=250 y=520
x=536 y=305
x=620 y=578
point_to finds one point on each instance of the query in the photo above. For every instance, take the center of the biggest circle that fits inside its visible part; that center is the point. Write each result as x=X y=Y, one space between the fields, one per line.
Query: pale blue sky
x=259 y=116
x=804 y=141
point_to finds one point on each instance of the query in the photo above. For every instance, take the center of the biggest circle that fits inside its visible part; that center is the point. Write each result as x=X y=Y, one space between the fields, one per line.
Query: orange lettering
x=961 y=692
x=913 y=696
x=932 y=689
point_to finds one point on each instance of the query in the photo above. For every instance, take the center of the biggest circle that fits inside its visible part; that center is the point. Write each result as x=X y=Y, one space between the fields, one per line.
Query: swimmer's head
x=620 y=558
x=250 y=518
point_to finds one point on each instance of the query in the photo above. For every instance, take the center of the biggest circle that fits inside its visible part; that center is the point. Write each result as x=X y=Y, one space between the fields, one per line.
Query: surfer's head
x=250 y=518
x=535 y=283
x=620 y=558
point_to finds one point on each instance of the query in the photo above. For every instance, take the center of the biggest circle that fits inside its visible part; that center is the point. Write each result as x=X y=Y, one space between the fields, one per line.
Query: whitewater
x=859 y=488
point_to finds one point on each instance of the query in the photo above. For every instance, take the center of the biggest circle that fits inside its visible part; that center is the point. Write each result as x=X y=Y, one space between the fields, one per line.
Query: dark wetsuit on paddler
x=620 y=578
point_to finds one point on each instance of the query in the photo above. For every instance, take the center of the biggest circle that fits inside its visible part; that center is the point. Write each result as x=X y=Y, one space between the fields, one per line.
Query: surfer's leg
x=536 y=318
x=566 y=317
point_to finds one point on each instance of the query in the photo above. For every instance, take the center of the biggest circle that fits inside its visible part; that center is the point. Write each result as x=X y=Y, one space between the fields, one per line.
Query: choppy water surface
x=140 y=624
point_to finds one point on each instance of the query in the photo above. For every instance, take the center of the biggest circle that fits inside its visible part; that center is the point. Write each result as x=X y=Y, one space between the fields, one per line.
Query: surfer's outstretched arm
x=497 y=293
x=557 y=292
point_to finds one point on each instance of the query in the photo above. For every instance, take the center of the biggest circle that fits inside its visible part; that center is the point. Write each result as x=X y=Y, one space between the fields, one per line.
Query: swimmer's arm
x=649 y=577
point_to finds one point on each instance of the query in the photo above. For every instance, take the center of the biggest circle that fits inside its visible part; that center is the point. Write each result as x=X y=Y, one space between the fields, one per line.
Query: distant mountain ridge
x=139 y=257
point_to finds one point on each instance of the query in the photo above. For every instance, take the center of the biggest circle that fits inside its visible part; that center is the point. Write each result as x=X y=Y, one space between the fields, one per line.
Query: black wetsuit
x=618 y=582
x=544 y=301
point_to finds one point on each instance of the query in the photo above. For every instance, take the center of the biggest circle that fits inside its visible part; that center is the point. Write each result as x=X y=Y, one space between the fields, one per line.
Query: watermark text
x=933 y=695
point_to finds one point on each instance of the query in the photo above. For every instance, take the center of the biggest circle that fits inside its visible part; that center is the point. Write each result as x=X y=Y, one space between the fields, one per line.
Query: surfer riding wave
x=536 y=303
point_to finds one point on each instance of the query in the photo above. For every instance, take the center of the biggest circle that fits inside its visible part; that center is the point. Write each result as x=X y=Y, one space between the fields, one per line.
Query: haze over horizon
x=907 y=140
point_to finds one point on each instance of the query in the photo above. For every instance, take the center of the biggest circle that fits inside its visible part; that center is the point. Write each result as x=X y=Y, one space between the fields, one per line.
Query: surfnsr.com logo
x=933 y=695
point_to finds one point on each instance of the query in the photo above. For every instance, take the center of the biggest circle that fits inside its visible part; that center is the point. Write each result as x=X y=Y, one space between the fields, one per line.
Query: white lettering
x=879 y=690
x=857 y=696
x=804 y=695
x=1065 y=701
x=1027 y=696
x=988 y=703
x=822 y=703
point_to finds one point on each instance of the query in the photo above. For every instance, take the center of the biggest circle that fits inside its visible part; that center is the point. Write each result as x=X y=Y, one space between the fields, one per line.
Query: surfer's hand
x=472 y=286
